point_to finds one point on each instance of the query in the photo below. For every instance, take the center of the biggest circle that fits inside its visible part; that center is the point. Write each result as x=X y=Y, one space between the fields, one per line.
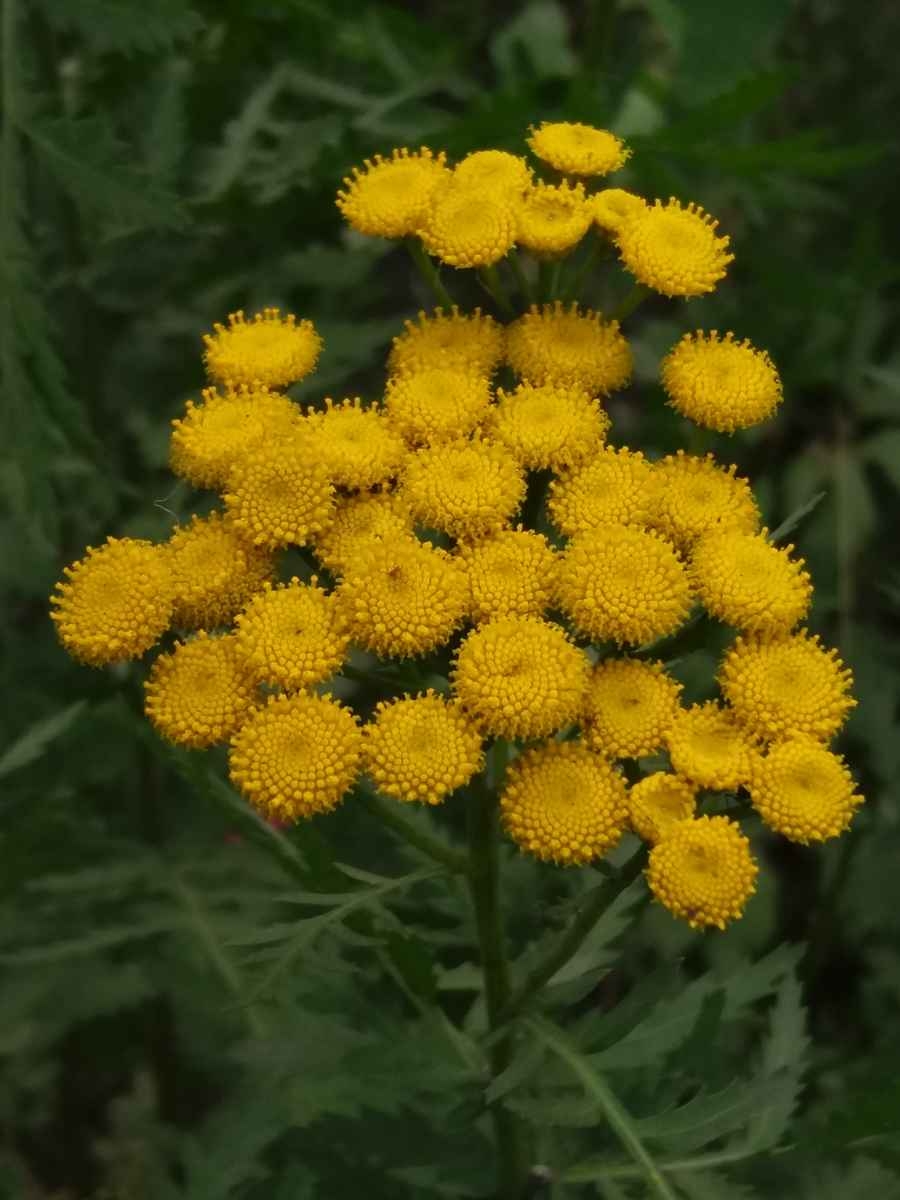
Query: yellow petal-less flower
x=559 y=345
x=708 y=746
x=622 y=584
x=630 y=707
x=673 y=249
x=292 y=635
x=421 y=748
x=749 y=584
x=359 y=520
x=437 y=404
x=466 y=489
x=720 y=383
x=296 y=757
x=215 y=570
x=613 y=206
x=563 y=804
x=803 y=791
x=553 y=219
x=656 y=802
x=201 y=693
x=467 y=228
x=520 y=677
x=115 y=603
x=281 y=493
x=512 y=574
x=462 y=340
x=577 y=149
x=703 y=871
x=268 y=349
x=357 y=445
x=548 y=426
x=696 y=496
x=616 y=487
x=779 y=686
x=389 y=197
x=493 y=172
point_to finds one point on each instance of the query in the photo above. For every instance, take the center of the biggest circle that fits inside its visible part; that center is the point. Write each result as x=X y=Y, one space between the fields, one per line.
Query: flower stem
x=522 y=281
x=389 y=813
x=633 y=300
x=429 y=272
x=494 y=286
x=598 y=250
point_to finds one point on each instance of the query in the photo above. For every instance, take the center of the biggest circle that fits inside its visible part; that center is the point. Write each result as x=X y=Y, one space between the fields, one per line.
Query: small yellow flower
x=630 y=707
x=622 y=584
x=462 y=340
x=359 y=520
x=548 y=426
x=467 y=227
x=696 y=496
x=215 y=571
x=390 y=196
x=401 y=597
x=292 y=635
x=520 y=677
x=437 y=403
x=577 y=149
x=115 y=603
x=281 y=493
x=747 y=583
x=615 y=487
x=656 y=802
x=421 y=748
x=673 y=250
x=356 y=445
x=466 y=489
x=703 y=871
x=494 y=172
x=720 y=383
x=559 y=345
x=708 y=746
x=269 y=349
x=613 y=206
x=779 y=686
x=803 y=791
x=553 y=219
x=201 y=693
x=511 y=574
x=296 y=757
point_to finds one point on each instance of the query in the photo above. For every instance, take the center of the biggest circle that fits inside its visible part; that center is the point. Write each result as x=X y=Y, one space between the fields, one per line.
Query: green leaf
x=125 y=25
x=722 y=43
x=539 y=33
x=783 y=1065
x=707 y=1116
x=790 y=523
x=38 y=737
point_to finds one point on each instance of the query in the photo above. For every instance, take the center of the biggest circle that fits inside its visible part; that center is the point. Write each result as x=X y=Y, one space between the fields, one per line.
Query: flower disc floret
x=296 y=757
x=614 y=487
x=708 y=746
x=292 y=635
x=440 y=339
x=357 y=445
x=749 y=584
x=780 y=686
x=553 y=218
x=437 y=404
x=402 y=597
x=201 y=693
x=520 y=677
x=281 y=493
x=421 y=748
x=720 y=383
x=512 y=574
x=563 y=804
x=548 y=426
x=696 y=496
x=622 y=584
x=493 y=172
x=389 y=197
x=467 y=227
x=803 y=791
x=673 y=249
x=466 y=489
x=558 y=345
x=215 y=570
x=268 y=349
x=613 y=206
x=115 y=603
x=703 y=871
x=630 y=707
x=656 y=802
x=359 y=520
x=577 y=149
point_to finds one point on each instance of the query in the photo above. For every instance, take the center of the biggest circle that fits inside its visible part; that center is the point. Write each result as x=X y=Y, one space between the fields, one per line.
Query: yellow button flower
x=674 y=250
x=201 y=693
x=630 y=707
x=269 y=349
x=613 y=206
x=548 y=426
x=520 y=677
x=292 y=635
x=696 y=496
x=215 y=570
x=720 y=383
x=803 y=791
x=747 y=583
x=553 y=219
x=421 y=748
x=356 y=445
x=296 y=757
x=703 y=871
x=466 y=489
x=462 y=340
x=389 y=197
x=437 y=403
x=563 y=804
x=493 y=172
x=115 y=603
x=511 y=574
x=657 y=802
x=616 y=487
x=559 y=345
x=281 y=493
x=359 y=520
x=708 y=746
x=468 y=227
x=577 y=149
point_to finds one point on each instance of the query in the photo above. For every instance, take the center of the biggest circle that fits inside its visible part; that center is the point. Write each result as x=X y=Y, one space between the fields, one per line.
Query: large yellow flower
x=744 y=581
x=201 y=693
x=548 y=426
x=494 y=172
x=389 y=197
x=559 y=345
x=359 y=520
x=720 y=383
x=462 y=340
x=281 y=493
x=356 y=445
x=215 y=570
x=468 y=227
x=292 y=635
x=674 y=250
x=466 y=489
x=615 y=487
x=696 y=496
x=269 y=349
x=553 y=219
x=577 y=149
x=804 y=791
x=563 y=804
x=437 y=403
x=511 y=574
x=630 y=707
x=703 y=871
x=657 y=801
x=709 y=747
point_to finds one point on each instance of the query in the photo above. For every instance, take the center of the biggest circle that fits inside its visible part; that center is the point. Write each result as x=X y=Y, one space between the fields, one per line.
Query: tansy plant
x=492 y=586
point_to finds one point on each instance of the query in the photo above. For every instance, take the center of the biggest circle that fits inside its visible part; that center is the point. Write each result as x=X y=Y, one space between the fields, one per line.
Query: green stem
x=493 y=285
x=522 y=281
x=389 y=813
x=545 y=272
x=555 y=276
x=599 y=250
x=633 y=300
x=429 y=272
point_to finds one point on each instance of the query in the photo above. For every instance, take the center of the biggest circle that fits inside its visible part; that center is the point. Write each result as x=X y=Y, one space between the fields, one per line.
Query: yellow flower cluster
x=486 y=527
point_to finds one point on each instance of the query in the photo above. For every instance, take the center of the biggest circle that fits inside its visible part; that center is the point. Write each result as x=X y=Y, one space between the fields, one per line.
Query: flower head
x=803 y=791
x=546 y=425
x=559 y=345
x=553 y=218
x=622 y=584
x=615 y=487
x=563 y=804
x=437 y=404
x=511 y=574
x=201 y=693
x=292 y=635
x=215 y=571
x=466 y=489
x=697 y=496
x=708 y=746
x=703 y=871
x=520 y=677
x=421 y=748
x=468 y=227
x=359 y=520
x=493 y=172
x=613 y=206
x=462 y=340
x=269 y=349
x=296 y=757
x=115 y=603
x=630 y=707
x=389 y=197
x=744 y=581
x=577 y=149
x=673 y=250
x=357 y=445
x=779 y=686
x=720 y=383
x=657 y=801
x=281 y=492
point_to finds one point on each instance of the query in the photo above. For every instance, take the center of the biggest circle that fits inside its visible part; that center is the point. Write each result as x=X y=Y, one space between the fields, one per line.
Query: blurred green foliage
x=162 y=163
